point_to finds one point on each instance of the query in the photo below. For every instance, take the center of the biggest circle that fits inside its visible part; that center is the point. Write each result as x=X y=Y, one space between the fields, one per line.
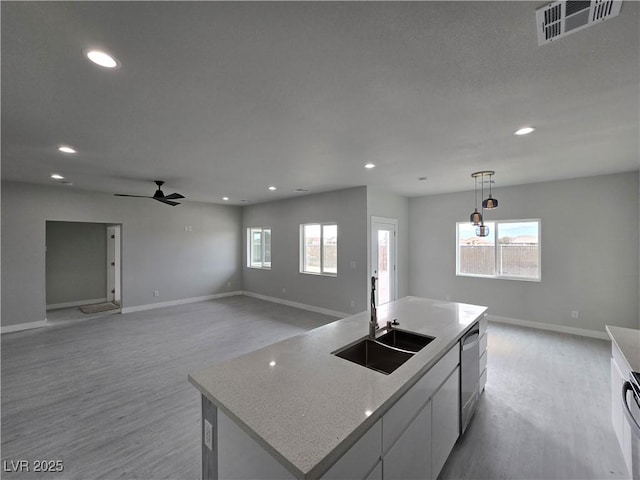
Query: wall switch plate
x=574 y=314
x=156 y=293
x=208 y=435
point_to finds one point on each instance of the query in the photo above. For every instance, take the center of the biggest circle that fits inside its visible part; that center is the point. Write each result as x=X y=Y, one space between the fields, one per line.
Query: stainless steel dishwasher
x=469 y=374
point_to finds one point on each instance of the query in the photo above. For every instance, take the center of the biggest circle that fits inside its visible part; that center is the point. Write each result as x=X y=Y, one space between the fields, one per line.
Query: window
x=319 y=248
x=511 y=251
x=259 y=247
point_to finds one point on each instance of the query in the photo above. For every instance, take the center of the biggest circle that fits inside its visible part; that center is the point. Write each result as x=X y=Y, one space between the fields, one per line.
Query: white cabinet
x=410 y=458
x=620 y=374
x=483 y=353
x=445 y=425
x=420 y=430
x=376 y=473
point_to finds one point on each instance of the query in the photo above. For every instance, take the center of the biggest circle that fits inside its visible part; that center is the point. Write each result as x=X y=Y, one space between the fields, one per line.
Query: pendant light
x=476 y=217
x=482 y=230
x=490 y=203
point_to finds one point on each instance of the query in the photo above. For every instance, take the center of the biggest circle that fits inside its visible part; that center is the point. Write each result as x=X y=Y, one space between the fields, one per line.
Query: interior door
x=383 y=258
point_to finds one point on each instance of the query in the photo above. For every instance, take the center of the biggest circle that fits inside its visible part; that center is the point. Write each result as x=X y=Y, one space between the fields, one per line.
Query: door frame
x=114 y=263
x=375 y=222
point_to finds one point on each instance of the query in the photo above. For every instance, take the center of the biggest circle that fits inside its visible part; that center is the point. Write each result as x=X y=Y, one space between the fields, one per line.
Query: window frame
x=262 y=265
x=494 y=232
x=302 y=265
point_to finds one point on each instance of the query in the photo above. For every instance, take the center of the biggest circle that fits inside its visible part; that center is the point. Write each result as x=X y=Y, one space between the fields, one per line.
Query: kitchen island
x=296 y=410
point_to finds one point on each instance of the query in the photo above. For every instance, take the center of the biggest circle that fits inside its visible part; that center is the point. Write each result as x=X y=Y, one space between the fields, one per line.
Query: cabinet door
x=446 y=421
x=376 y=473
x=616 y=405
x=410 y=456
x=360 y=458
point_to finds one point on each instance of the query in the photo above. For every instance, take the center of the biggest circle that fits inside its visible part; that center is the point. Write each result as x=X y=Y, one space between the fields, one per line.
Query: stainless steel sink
x=374 y=355
x=410 y=341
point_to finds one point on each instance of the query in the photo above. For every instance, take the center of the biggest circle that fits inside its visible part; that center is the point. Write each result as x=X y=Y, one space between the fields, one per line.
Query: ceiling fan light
x=476 y=217
x=490 y=203
x=482 y=231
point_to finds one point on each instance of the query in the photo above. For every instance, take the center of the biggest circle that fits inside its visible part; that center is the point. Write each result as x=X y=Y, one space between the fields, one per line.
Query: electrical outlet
x=353 y=304
x=228 y=284
x=448 y=298
x=156 y=293
x=284 y=290
x=208 y=435
x=574 y=314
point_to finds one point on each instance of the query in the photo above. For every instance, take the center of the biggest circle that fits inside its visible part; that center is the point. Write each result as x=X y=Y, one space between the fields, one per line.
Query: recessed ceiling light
x=524 y=131
x=369 y=165
x=102 y=58
x=423 y=179
x=66 y=149
x=272 y=188
x=57 y=176
x=225 y=199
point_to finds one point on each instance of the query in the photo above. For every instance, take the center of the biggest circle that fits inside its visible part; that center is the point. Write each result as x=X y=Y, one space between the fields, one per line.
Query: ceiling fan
x=159 y=196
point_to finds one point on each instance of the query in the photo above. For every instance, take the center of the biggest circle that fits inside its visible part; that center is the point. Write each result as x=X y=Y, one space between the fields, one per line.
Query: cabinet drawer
x=483 y=324
x=360 y=458
x=403 y=412
x=483 y=380
x=483 y=343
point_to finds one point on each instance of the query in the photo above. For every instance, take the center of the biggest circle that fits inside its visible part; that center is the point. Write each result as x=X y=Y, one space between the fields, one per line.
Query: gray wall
x=348 y=208
x=590 y=252
x=76 y=262
x=157 y=252
x=385 y=204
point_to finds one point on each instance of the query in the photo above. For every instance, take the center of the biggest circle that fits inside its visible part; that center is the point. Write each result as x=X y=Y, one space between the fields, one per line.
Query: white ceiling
x=228 y=98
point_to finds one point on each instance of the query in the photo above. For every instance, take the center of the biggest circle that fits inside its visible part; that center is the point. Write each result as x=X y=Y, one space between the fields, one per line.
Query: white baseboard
x=23 y=326
x=80 y=303
x=302 y=306
x=548 y=326
x=182 y=301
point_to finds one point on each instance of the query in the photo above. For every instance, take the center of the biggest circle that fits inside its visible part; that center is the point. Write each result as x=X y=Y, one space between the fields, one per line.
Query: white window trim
x=494 y=233
x=262 y=245
x=302 y=265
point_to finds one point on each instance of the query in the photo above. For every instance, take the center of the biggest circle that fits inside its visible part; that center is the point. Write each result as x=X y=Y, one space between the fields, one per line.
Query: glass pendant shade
x=482 y=231
x=490 y=203
x=476 y=217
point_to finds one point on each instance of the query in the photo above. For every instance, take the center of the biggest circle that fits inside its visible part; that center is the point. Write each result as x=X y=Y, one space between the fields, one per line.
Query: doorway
x=383 y=258
x=83 y=270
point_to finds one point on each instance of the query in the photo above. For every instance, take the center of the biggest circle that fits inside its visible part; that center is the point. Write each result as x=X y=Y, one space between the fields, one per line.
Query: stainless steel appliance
x=631 y=409
x=469 y=375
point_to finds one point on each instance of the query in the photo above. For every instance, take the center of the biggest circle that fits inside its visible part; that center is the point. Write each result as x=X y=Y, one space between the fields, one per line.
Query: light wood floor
x=110 y=397
x=545 y=413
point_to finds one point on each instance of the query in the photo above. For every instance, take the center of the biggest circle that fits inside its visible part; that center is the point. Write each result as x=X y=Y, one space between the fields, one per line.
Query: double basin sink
x=387 y=352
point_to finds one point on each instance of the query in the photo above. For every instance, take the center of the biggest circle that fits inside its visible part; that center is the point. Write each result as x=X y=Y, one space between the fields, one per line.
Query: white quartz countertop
x=307 y=407
x=628 y=342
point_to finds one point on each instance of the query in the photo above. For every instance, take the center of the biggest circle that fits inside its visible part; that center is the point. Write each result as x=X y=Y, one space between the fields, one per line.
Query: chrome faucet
x=373 y=323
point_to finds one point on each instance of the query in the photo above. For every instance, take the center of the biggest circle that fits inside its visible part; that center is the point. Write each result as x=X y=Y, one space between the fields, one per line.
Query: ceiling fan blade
x=168 y=202
x=173 y=196
x=125 y=195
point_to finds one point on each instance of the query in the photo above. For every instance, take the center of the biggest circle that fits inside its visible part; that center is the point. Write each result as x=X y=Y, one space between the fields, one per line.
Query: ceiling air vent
x=562 y=18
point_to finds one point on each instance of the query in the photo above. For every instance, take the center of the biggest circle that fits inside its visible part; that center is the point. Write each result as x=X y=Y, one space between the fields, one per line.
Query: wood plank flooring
x=109 y=396
x=545 y=413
